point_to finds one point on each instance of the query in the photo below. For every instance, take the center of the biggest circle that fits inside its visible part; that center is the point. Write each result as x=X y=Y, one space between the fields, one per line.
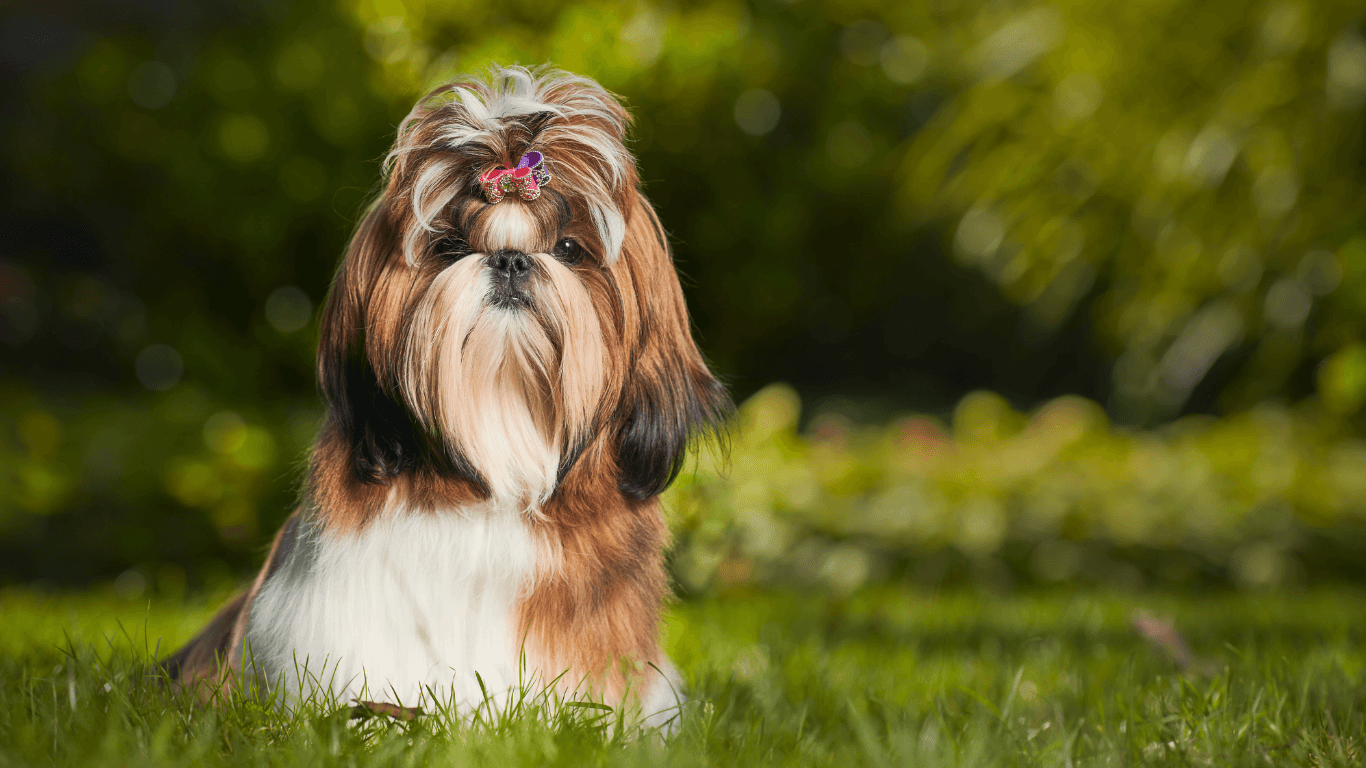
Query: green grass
x=885 y=677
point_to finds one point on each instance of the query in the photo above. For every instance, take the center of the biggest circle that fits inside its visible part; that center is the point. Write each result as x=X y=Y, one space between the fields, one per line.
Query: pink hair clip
x=526 y=179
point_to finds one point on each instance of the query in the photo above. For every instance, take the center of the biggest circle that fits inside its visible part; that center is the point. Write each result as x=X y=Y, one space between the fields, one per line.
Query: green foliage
x=1058 y=494
x=1200 y=165
x=175 y=486
x=884 y=677
x=1152 y=206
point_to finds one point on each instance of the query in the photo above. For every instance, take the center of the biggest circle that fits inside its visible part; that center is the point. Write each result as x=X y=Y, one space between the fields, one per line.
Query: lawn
x=887 y=676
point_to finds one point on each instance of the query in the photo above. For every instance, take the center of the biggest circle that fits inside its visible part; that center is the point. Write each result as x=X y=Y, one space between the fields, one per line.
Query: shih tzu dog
x=510 y=382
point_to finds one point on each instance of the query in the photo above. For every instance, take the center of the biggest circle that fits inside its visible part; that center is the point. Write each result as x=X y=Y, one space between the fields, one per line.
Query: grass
x=884 y=677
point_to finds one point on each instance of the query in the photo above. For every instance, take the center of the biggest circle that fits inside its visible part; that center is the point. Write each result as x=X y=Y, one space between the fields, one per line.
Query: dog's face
x=505 y=345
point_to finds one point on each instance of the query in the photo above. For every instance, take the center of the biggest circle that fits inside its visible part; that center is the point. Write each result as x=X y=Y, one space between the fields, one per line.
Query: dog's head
x=496 y=325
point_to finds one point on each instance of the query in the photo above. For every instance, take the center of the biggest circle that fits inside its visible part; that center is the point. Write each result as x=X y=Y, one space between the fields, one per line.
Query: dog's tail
x=203 y=658
x=214 y=657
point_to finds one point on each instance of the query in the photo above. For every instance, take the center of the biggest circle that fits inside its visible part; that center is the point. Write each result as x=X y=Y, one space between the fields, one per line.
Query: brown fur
x=597 y=615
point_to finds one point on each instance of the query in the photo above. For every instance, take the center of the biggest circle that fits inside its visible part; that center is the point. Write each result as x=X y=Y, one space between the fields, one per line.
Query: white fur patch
x=408 y=608
x=661 y=697
x=510 y=228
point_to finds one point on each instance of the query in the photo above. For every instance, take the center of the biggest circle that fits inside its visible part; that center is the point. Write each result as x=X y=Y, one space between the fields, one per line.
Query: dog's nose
x=513 y=264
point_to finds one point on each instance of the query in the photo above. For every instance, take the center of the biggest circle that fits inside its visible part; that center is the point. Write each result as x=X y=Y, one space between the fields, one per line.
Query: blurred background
x=1013 y=293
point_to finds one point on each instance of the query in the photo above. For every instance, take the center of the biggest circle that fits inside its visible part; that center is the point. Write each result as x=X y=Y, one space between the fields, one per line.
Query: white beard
x=478 y=374
x=491 y=380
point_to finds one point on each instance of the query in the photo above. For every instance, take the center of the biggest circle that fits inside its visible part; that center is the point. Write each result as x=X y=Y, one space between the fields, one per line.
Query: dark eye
x=451 y=247
x=569 y=251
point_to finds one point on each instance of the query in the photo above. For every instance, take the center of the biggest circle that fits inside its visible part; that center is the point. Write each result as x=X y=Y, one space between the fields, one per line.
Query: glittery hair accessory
x=526 y=179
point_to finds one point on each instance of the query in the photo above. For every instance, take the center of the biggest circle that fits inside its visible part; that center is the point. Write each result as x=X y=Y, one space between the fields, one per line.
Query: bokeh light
x=1138 y=224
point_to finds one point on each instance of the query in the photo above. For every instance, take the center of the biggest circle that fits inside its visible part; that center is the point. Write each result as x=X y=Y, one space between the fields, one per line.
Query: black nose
x=512 y=264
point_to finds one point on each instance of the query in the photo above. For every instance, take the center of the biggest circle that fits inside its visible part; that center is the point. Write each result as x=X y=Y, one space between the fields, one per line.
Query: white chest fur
x=411 y=606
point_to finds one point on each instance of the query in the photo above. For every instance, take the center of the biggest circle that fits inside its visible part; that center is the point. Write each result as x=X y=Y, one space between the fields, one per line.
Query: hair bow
x=526 y=179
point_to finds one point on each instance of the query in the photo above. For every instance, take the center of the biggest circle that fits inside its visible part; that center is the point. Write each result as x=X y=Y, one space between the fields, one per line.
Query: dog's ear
x=359 y=358
x=669 y=396
x=375 y=426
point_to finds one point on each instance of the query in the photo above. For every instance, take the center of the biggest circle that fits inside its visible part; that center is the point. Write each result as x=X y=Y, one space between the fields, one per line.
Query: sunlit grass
x=885 y=677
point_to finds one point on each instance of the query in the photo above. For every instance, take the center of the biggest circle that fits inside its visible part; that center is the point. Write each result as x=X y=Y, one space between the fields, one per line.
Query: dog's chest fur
x=412 y=605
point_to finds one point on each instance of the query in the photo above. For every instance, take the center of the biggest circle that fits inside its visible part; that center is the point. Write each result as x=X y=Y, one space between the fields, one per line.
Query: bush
x=1271 y=496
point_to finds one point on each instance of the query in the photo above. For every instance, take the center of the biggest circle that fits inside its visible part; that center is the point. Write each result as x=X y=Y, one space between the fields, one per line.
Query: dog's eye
x=452 y=247
x=569 y=251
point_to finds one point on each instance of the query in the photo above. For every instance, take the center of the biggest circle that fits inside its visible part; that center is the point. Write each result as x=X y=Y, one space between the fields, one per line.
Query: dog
x=510 y=382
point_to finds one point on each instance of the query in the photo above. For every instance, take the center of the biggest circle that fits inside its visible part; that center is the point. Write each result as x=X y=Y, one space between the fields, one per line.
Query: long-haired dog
x=510 y=383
